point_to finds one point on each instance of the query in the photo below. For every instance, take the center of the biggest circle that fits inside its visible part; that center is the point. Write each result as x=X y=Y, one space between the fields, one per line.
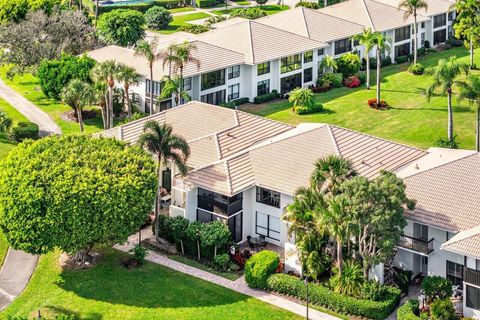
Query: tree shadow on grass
x=149 y=286
x=52 y=310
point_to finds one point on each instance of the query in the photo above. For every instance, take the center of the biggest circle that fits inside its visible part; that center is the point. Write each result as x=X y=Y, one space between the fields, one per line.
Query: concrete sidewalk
x=17 y=269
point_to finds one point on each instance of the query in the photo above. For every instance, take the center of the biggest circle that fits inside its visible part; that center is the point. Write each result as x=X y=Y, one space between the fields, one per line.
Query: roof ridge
x=399 y=9
x=290 y=32
x=319 y=11
x=251 y=39
x=305 y=21
x=443 y=165
x=227 y=176
x=335 y=144
x=368 y=14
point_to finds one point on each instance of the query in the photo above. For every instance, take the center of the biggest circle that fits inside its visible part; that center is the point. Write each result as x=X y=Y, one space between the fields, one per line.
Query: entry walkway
x=238 y=285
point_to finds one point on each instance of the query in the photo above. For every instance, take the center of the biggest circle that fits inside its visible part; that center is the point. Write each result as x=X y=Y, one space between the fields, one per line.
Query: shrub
x=139 y=254
x=326 y=80
x=302 y=98
x=259 y=267
x=193 y=28
x=337 y=81
x=372 y=103
x=362 y=76
x=158 y=18
x=260 y=2
x=322 y=296
x=401 y=59
x=265 y=97
x=416 y=69
x=142 y=6
x=5 y=122
x=427 y=44
x=408 y=311
x=249 y=13
x=447 y=143
x=443 y=309
x=229 y=105
x=436 y=287
x=213 y=20
x=215 y=234
x=352 y=82
x=122 y=27
x=316 y=107
x=373 y=290
x=206 y=3
x=350 y=281
x=240 y=101
x=402 y=279
x=222 y=262
x=349 y=64
x=308 y=4
x=386 y=61
x=25 y=130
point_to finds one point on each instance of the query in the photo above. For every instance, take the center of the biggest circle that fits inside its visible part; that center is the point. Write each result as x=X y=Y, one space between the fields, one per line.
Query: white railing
x=176 y=211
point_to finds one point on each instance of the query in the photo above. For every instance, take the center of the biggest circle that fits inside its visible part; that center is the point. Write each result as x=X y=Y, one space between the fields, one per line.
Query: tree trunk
x=129 y=102
x=450 y=115
x=105 y=110
x=110 y=107
x=157 y=200
x=368 y=71
x=365 y=269
x=80 y=119
x=471 y=53
x=214 y=251
x=339 y=256
x=80 y=4
x=96 y=12
x=379 y=63
x=325 y=3
x=415 y=38
x=151 y=89
x=181 y=245
x=198 y=250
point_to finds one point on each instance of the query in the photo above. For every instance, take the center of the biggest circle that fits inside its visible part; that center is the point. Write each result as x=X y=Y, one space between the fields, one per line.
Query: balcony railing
x=416 y=244
x=176 y=211
x=471 y=276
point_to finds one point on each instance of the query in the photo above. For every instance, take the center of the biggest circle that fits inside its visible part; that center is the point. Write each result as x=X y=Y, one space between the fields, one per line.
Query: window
x=450 y=16
x=267 y=226
x=440 y=20
x=291 y=63
x=422 y=39
x=473 y=297
x=450 y=235
x=455 y=273
x=439 y=36
x=263 y=68
x=356 y=42
x=233 y=91
x=423 y=25
x=157 y=87
x=187 y=84
x=402 y=34
x=233 y=72
x=321 y=52
x=308 y=56
x=213 y=79
x=216 y=98
x=342 y=46
x=263 y=87
x=268 y=197
x=307 y=75
x=402 y=50
x=450 y=32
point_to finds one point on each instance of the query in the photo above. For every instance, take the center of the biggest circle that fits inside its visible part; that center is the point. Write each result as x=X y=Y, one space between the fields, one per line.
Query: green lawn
x=228 y=275
x=269 y=9
x=109 y=291
x=411 y=120
x=182 y=20
x=182 y=9
x=28 y=86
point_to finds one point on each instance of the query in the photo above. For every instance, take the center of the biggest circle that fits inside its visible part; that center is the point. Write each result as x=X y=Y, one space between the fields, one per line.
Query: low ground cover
x=411 y=119
x=182 y=20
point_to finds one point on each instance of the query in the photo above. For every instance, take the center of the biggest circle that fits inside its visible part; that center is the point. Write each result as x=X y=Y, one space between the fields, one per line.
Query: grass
x=411 y=120
x=182 y=9
x=29 y=87
x=269 y=9
x=227 y=275
x=109 y=291
x=182 y=20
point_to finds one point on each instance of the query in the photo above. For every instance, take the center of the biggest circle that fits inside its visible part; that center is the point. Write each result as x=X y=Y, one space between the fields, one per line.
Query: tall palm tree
x=173 y=86
x=330 y=172
x=149 y=51
x=382 y=44
x=107 y=72
x=78 y=94
x=444 y=75
x=411 y=7
x=101 y=99
x=128 y=77
x=367 y=39
x=467 y=24
x=165 y=146
x=329 y=63
x=470 y=90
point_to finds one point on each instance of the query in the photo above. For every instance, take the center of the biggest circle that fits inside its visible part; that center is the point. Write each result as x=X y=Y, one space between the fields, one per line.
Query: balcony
x=415 y=244
x=471 y=276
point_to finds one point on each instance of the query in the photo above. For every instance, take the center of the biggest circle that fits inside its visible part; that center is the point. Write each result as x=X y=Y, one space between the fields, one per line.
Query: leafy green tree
x=350 y=282
x=74 y=192
x=173 y=86
x=105 y=73
x=13 y=10
x=411 y=7
x=194 y=232
x=178 y=227
x=77 y=95
x=158 y=18
x=367 y=39
x=148 y=50
x=436 y=287
x=216 y=234
x=330 y=172
x=248 y=13
x=160 y=141
x=122 y=27
x=444 y=75
x=128 y=76
x=329 y=63
x=301 y=98
x=470 y=90
x=382 y=44
x=348 y=64
x=55 y=74
x=467 y=24
x=5 y=122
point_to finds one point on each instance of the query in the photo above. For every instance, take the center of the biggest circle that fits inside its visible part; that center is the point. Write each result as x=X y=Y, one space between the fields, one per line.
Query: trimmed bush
x=316 y=107
x=206 y=3
x=259 y=267
x=352 y=82
x=193 y=28
x=348 y=64
x=158 y=18
x=221 y=262
x=308 y=4
x=443 y=310
x=265 y=97
x=408 y=311
x=322 y=296
x=416 y=69
x=5 y=122
x=372 y=103
x=337 y=81
x=362 y=76
x=249 y=13
x=401 y=59
x=25 y=130
x=240 y=101
x=436 y=287
x=142 y=7
x=386 y=61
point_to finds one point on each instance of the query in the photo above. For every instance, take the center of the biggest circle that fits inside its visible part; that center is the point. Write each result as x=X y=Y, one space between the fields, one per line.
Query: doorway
x=289 y=83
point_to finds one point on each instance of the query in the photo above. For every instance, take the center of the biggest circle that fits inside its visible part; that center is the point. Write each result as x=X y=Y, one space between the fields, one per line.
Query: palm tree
x=330 y=172
x=78 y=94
x=148 y=50
x=301 y=98
x=107 y=72
x=173 y=86
x=100 y=98
x=367 y=39
x=129 y=77
x=467 y=23
x=411 y=7
x=329 y=63
x=382 y=43
x=165 y=146
x=444 y=75
x=470 y=90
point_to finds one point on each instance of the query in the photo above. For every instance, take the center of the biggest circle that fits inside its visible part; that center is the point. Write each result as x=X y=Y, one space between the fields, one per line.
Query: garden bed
x=205 y=266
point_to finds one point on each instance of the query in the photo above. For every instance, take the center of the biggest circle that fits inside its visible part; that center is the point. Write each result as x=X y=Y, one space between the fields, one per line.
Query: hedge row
x=206 y=3
x=407 y=311
x=259 y=267
x=142 y=7
x=266 y=97
x=25 y=130
x=322 y=296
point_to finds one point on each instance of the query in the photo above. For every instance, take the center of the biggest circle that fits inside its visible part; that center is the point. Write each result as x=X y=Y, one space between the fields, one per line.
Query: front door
x=291 y=82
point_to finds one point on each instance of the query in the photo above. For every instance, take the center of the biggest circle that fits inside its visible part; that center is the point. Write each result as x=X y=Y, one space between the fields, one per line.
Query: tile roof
x=256 y=40
x=448 y=195
x=465 y=243
x=376 y=15
x=313 y=24
x=434 y=6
